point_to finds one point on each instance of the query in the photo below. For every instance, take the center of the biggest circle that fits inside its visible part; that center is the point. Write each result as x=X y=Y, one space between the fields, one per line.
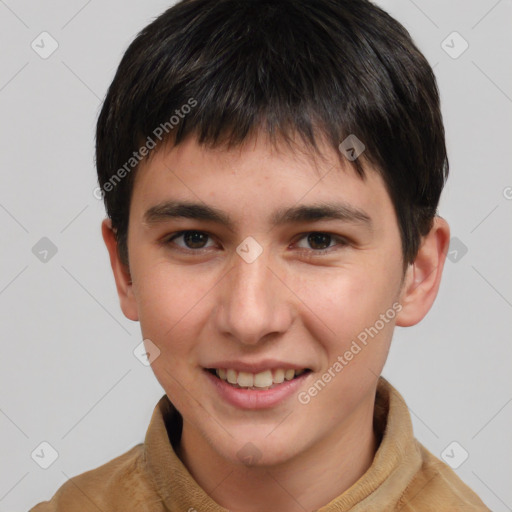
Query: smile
x=267 y=379
x=262 y=390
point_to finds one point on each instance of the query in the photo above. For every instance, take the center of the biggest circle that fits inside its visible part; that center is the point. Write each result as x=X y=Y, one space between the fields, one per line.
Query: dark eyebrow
x=175 y=209
x=296 y=214
x=320 y=211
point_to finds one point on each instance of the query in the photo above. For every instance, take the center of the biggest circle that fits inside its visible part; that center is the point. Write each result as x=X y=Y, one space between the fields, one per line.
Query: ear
x=121 y=273
x=423 y=276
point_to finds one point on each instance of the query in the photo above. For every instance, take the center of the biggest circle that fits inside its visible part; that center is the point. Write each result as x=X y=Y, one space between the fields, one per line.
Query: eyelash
x=342 y=242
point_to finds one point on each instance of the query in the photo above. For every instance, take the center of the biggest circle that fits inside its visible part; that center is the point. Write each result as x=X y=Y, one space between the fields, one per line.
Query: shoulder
x=119 y=484
x=437 y=488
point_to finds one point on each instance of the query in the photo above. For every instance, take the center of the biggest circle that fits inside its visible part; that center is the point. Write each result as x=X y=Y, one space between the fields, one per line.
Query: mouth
x=267 y=379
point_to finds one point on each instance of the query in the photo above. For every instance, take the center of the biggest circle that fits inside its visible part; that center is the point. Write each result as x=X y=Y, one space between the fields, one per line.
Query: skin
x=288 y=304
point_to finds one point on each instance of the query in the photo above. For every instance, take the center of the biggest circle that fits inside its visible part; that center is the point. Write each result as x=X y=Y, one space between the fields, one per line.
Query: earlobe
x=423 y=277
x=121 y=273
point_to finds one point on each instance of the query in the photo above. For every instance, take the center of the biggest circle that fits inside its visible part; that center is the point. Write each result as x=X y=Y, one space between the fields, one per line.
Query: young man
x=271 y=171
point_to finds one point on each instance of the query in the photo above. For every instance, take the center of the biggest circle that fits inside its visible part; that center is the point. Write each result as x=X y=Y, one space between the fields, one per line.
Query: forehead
x=257 y=178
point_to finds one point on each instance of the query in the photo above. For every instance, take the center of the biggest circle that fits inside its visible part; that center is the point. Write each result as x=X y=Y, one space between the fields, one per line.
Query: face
x=269 y=290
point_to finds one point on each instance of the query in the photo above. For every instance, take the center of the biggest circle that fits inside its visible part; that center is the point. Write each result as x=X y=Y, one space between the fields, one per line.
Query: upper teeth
x=260 y=380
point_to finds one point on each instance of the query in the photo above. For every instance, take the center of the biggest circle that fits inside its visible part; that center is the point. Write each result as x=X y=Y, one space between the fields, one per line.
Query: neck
x=309 y=481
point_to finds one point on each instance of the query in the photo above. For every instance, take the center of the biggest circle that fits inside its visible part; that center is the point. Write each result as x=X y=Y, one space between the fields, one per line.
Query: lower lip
x=257 y=399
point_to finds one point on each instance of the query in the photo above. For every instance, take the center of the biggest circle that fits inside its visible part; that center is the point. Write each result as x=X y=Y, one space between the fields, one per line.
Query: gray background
x=68 y=374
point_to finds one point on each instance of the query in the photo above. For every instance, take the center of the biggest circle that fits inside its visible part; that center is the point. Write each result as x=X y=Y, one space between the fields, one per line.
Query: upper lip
x=256 y=367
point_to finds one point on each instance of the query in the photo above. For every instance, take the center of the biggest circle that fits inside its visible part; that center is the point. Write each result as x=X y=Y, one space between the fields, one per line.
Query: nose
x=254 y=302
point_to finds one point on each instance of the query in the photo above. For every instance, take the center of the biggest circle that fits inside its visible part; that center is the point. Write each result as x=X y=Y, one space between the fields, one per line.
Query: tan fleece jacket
x=404 y=475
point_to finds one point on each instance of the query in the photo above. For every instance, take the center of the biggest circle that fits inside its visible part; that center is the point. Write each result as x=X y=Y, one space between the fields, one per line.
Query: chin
x=261 y=451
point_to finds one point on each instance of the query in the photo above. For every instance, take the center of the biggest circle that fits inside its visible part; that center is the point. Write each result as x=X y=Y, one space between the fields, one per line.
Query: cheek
x=171 y=302
x=172 y=312
x=344 y=300
x=342 y=310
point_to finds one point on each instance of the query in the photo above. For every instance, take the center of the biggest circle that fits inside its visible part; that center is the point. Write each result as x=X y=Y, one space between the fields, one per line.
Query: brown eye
x=319 y=240
x=193 y=240
x=320 y=243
